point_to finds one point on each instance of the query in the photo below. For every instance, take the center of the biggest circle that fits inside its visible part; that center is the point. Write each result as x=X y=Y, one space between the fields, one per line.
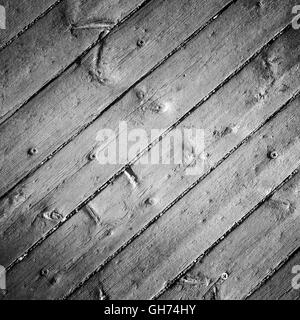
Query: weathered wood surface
x=65 y=164
x=20 y=14
x=249 y=254
x=48 y=120
x=25 y=208
x=285 y=283
x=202 y=216
x=165 y=213
x=96 y=232
x=55 y=41
x=69 y=178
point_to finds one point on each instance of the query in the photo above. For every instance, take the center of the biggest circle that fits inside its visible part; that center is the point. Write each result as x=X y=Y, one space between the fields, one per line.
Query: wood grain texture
x=20 y=14
x=49 y=119
x=70 y=178
x=91 y=236
x=249 y=254
x=204 y=215
x=280 y=285
x=64 y=166
x=76 y=229
x=53 y=43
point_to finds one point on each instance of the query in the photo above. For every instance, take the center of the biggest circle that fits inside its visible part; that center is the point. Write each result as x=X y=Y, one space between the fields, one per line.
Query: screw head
x=140 y=43
x=44 y=272
x=92 y=156
x=32 y=151
x=273 y=155
x=224 y=276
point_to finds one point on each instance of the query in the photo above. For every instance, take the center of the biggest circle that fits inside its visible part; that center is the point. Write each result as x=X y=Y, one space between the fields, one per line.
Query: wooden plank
x=248 y=254
x=47 y=48
x=20 y=14
x=49 y=119
x=83 y=243
x=24 y=200
x=70 y=178
x=284 y=284
x=202 y=217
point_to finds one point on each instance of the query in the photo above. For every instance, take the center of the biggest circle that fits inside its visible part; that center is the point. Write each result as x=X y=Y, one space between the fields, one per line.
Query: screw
x=140 y=43
x=273 y=155
x=92 y=156
x=32 y=151
x=44 y=272
x=224 y=276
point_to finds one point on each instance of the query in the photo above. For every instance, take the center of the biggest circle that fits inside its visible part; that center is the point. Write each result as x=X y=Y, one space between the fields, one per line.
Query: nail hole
x=32 y=151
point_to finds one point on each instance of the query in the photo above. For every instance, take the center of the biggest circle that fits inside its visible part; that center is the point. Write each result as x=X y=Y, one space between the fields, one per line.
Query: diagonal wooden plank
x=20 y=14
x=202 y=217
x=54 y=42
x=66 y=164
x=284 y=284
x=70 y=178
x=85 y=241
x=75 y=87
x=248 y=254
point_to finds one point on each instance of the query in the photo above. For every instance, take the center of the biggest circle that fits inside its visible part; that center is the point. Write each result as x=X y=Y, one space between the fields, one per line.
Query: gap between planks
x=269 y=43
x=27 y=27
x=284 y=116
x=273 y=273
x=63 y=220
x=232 y=229
x=165 y=59
x=101 y=39
x=110 y=258
x=117 y=99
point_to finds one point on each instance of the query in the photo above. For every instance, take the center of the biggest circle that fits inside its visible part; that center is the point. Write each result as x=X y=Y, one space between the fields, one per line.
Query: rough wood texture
x=204 y=215
x=284 y=285
x=48 y=120
x=84 y=242
x=249 y=254
x=52 y=44
x=20 y=14
x=260 y=93
x=73 y=228
x=63 y=166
